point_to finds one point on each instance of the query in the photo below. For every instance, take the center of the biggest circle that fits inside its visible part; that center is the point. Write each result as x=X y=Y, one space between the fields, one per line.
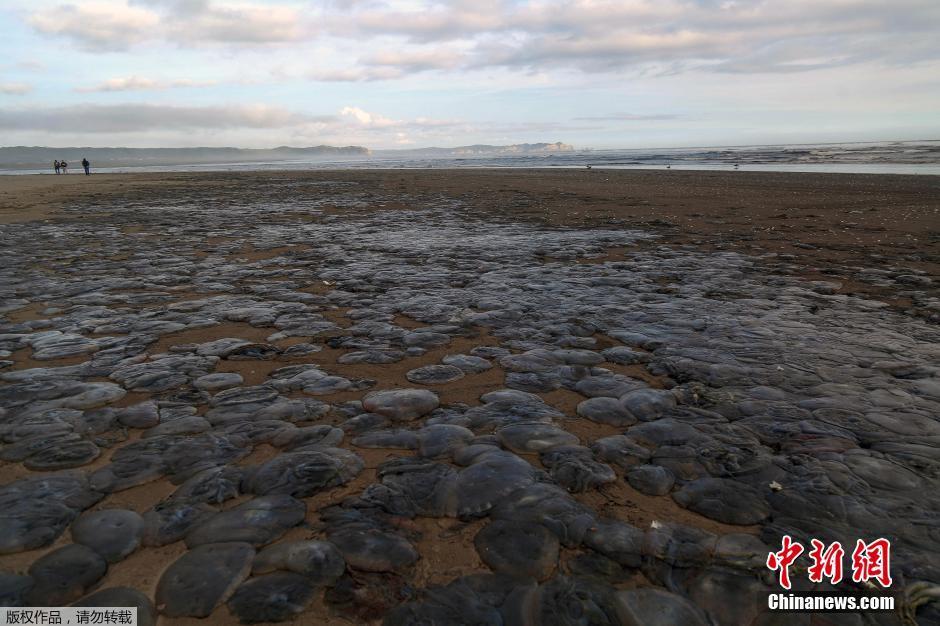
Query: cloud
x=364 y=118
x=97 y=26
x=437 y=23
x=673 y=35
x=355 y=74
x=395 y=39
x=351 y=124
x=129 y=118
x=627 y=117
x=136 y=83
x=119 y=25
x=368 y=128
x=245 y=24
x=356 y=118
x=415 y=60
x=15 y=89
x=391 y=64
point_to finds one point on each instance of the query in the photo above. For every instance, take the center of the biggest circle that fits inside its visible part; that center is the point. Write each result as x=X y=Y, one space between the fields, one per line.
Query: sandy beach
x=594 y=384
x=828 y=226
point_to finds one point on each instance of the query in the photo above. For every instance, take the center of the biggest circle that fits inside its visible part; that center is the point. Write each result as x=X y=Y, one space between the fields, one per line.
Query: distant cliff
x=518 y=148
x=487 y=150
x=29 y=157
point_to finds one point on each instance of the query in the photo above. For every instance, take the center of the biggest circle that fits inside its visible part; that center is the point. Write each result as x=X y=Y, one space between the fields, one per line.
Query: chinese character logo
x=827 y=562
x=870 y=561
x=782 y=560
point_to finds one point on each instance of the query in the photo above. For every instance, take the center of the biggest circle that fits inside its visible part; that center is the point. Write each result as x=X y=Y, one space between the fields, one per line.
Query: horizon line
x=574 y=148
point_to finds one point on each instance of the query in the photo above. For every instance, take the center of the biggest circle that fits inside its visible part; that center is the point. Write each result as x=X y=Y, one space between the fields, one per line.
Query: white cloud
x=97 y=26
x=396 y=39
x=415 y=60
x=355 y=74
x=364 y=118
x=237 y=23
x=353 y=120
x=137 y=83
x=119 y=25
x=530 y=66
x=351 y=124
x=678 y=35
x=15 y=89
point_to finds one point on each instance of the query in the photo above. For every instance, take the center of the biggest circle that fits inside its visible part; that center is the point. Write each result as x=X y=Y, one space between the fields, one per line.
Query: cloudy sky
x=411 y=73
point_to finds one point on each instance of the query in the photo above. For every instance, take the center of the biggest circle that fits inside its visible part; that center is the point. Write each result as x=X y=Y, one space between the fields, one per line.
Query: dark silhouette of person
x=86 y=165
x=64 y=166
x=56 y=165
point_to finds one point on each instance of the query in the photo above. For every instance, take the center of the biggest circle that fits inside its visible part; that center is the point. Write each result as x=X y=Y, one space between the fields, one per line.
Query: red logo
x=783 y=559
x=826 y=563
x=869 y=561
x=872 y=560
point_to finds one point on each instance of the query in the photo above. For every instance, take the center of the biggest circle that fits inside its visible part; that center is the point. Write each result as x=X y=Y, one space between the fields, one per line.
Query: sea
x=896 y=157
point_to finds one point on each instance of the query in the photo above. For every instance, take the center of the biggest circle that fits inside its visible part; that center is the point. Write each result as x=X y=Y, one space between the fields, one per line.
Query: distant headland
x=31 y=157
x=485 y=149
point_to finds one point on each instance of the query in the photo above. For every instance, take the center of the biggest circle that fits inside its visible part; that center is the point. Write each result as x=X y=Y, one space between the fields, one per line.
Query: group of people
x=61 y=167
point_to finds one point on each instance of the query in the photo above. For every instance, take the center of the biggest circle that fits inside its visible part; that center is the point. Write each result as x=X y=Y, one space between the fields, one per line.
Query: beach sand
x=820 y=229
x=825 y=226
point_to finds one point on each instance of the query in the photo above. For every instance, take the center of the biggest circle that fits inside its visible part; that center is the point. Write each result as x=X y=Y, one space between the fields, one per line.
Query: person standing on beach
x=86 y=165
x=64 y=166
x=56 y=165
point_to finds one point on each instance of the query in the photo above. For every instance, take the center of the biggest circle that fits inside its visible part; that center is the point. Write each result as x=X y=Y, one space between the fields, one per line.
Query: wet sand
x=840 y=235
x=819 y=226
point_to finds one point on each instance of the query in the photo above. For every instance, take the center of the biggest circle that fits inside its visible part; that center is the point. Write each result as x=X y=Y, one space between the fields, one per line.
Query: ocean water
x=900 y=157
